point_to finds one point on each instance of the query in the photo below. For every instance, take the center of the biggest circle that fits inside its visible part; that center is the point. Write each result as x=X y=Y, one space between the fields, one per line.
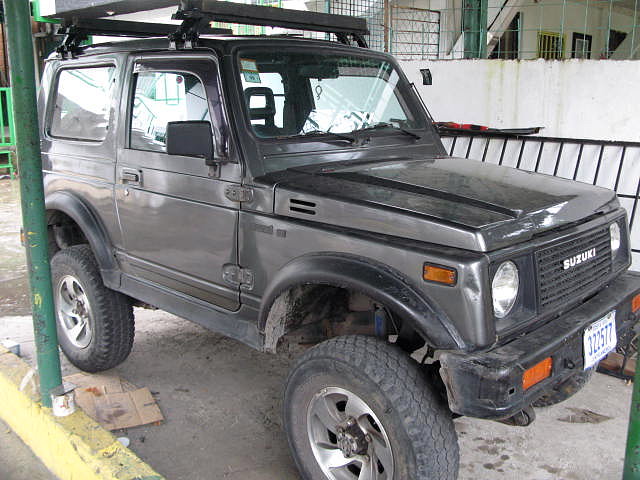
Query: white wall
x=570 y=98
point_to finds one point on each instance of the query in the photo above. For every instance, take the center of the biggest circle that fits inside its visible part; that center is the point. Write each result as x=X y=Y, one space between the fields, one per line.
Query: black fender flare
x=93 y=230
x=374 y=279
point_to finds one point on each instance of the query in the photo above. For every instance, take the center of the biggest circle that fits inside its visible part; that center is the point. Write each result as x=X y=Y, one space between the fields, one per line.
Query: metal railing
x=7 y=127
x=414 y=32
x=505 y=29
x=610 y=164
x=7 y=131
x=548 y=29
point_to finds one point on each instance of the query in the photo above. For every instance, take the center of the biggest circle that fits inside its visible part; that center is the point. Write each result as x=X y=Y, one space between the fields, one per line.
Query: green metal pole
x=474 y=21
x=470 y=28
x=632 y=456
x=482 y=24
x=21 y=60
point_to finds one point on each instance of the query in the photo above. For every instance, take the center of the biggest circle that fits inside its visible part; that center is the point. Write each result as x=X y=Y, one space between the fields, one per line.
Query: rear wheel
x=359 y=408
x=95 y=324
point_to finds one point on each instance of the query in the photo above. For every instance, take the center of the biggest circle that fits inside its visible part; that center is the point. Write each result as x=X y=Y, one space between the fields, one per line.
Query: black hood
x=452 y=201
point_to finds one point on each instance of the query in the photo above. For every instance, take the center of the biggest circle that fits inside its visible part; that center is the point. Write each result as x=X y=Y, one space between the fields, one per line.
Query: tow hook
x=523 y=418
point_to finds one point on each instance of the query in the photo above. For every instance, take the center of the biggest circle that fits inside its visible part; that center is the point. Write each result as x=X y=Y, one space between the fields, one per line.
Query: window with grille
x=581 y=45
x=508 y=46
x=550 y=45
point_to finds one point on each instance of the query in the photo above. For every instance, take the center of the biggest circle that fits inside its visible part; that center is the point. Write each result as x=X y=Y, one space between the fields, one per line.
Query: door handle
x=131 y=176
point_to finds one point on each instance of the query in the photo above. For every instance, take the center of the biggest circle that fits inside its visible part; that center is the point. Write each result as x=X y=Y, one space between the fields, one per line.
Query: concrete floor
x=17 y=462
x=222 y=405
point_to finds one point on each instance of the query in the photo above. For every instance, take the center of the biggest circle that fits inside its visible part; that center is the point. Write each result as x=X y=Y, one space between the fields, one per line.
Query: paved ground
x=16 y=460
x=221 y=401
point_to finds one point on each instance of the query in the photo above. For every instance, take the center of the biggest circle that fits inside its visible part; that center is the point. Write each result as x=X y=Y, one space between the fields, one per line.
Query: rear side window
x=160 y=98
x=83 y=103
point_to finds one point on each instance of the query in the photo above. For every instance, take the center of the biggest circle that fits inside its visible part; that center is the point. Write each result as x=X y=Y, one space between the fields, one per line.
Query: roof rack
x=83 y=17
x=80 y=30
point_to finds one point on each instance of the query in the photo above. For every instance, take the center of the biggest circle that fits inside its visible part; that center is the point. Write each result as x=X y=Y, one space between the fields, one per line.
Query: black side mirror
x=191 y=139
x=426 y=76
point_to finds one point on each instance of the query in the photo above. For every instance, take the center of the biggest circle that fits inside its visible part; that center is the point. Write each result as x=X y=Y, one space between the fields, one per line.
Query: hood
x=450 y=201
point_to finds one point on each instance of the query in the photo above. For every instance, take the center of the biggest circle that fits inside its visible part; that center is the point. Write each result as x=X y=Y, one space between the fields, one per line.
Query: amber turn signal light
x=438 y=274
x=537 y=373
x=635 y=303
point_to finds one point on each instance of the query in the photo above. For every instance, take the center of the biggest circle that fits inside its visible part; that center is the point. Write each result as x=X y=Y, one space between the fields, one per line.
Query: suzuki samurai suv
x=286 y=191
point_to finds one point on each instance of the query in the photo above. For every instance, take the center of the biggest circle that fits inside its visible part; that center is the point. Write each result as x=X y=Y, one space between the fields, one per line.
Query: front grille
x=557 y=286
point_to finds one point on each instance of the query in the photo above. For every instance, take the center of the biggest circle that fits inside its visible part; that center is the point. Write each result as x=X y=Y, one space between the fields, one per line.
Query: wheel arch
x=379 y=282
x=91 y=228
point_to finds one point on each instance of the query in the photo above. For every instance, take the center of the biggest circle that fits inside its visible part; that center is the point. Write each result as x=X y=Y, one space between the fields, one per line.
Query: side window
x=160 y=98
x=83 y=103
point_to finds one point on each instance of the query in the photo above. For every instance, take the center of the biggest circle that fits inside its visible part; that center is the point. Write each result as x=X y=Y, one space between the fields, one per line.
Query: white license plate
x=599 y=339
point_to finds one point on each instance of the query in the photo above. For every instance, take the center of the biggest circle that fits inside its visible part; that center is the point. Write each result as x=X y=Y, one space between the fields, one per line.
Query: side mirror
x=426 y=76
x=191 y=139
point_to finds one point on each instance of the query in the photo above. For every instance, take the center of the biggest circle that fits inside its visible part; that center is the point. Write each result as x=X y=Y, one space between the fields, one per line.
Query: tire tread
x=111 y=308
x=427 y=423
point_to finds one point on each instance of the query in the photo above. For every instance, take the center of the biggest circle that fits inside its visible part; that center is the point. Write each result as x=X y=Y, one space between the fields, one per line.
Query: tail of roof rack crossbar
x=83 y=17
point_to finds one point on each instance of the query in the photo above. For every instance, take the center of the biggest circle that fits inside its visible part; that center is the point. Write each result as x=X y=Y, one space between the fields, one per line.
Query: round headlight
x=614 y=231
x=504 y=288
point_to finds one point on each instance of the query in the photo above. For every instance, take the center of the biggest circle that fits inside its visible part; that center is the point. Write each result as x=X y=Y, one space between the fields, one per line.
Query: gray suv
x=286 y=191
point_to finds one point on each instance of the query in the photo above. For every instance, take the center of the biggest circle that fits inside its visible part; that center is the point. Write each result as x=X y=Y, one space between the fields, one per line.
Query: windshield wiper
x=341 y=136
x=382 y=125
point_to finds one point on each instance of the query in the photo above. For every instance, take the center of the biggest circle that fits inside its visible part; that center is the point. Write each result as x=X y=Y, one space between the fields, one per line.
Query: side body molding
x=92 y=229
x=379 y=282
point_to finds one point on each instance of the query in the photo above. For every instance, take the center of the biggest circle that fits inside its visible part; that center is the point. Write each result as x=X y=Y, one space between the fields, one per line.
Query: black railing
x=610 y=164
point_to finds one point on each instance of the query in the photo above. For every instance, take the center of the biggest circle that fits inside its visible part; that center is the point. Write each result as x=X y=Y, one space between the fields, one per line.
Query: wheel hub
x=78 y=308
x=347 y=439
x=73 y=312
x=351 y=439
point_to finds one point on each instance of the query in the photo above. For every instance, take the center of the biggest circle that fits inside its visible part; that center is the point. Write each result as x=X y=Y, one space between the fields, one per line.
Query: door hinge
x=238 y=193
x=237 y=276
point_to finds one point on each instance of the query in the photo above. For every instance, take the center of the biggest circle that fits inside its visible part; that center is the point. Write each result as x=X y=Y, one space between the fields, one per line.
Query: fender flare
x=376 y=280
x=92 y=228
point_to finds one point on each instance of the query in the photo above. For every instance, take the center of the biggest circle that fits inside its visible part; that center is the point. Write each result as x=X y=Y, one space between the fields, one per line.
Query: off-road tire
x=420 y=429
x=566 y=389
x=112 y=321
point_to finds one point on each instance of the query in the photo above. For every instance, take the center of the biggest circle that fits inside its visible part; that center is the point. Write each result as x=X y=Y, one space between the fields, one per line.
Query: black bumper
x=489 y=384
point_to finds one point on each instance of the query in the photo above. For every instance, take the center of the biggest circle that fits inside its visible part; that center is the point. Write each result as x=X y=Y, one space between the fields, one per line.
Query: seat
x=266 y=113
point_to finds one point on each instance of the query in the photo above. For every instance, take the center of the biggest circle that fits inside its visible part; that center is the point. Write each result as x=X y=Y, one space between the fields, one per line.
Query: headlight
x=614 y=231
x=504 y=288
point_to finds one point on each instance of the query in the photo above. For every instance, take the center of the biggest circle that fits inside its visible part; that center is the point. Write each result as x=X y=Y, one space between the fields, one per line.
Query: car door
x=179 y=229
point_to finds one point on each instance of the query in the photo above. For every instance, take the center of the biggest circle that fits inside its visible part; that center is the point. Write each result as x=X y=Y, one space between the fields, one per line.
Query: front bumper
x=489 y=384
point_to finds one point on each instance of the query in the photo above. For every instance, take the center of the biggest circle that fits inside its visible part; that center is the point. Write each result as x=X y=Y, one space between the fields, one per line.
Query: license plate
x=599 y=339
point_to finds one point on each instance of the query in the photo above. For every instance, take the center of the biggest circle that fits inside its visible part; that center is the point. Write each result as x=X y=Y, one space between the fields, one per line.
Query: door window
x=83 y=103
x=160 y=98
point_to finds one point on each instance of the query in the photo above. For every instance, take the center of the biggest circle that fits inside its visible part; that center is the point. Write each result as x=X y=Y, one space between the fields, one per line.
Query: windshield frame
x=404 y=87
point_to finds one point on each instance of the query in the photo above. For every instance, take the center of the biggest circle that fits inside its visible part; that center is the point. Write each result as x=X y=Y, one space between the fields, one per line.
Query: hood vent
x=302 y=206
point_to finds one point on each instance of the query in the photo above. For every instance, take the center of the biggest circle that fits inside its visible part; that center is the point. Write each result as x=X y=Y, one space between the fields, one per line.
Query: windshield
x=312 y=93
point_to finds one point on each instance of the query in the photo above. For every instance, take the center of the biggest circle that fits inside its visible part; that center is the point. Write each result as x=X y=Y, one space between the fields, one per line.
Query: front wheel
x=356 y=407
